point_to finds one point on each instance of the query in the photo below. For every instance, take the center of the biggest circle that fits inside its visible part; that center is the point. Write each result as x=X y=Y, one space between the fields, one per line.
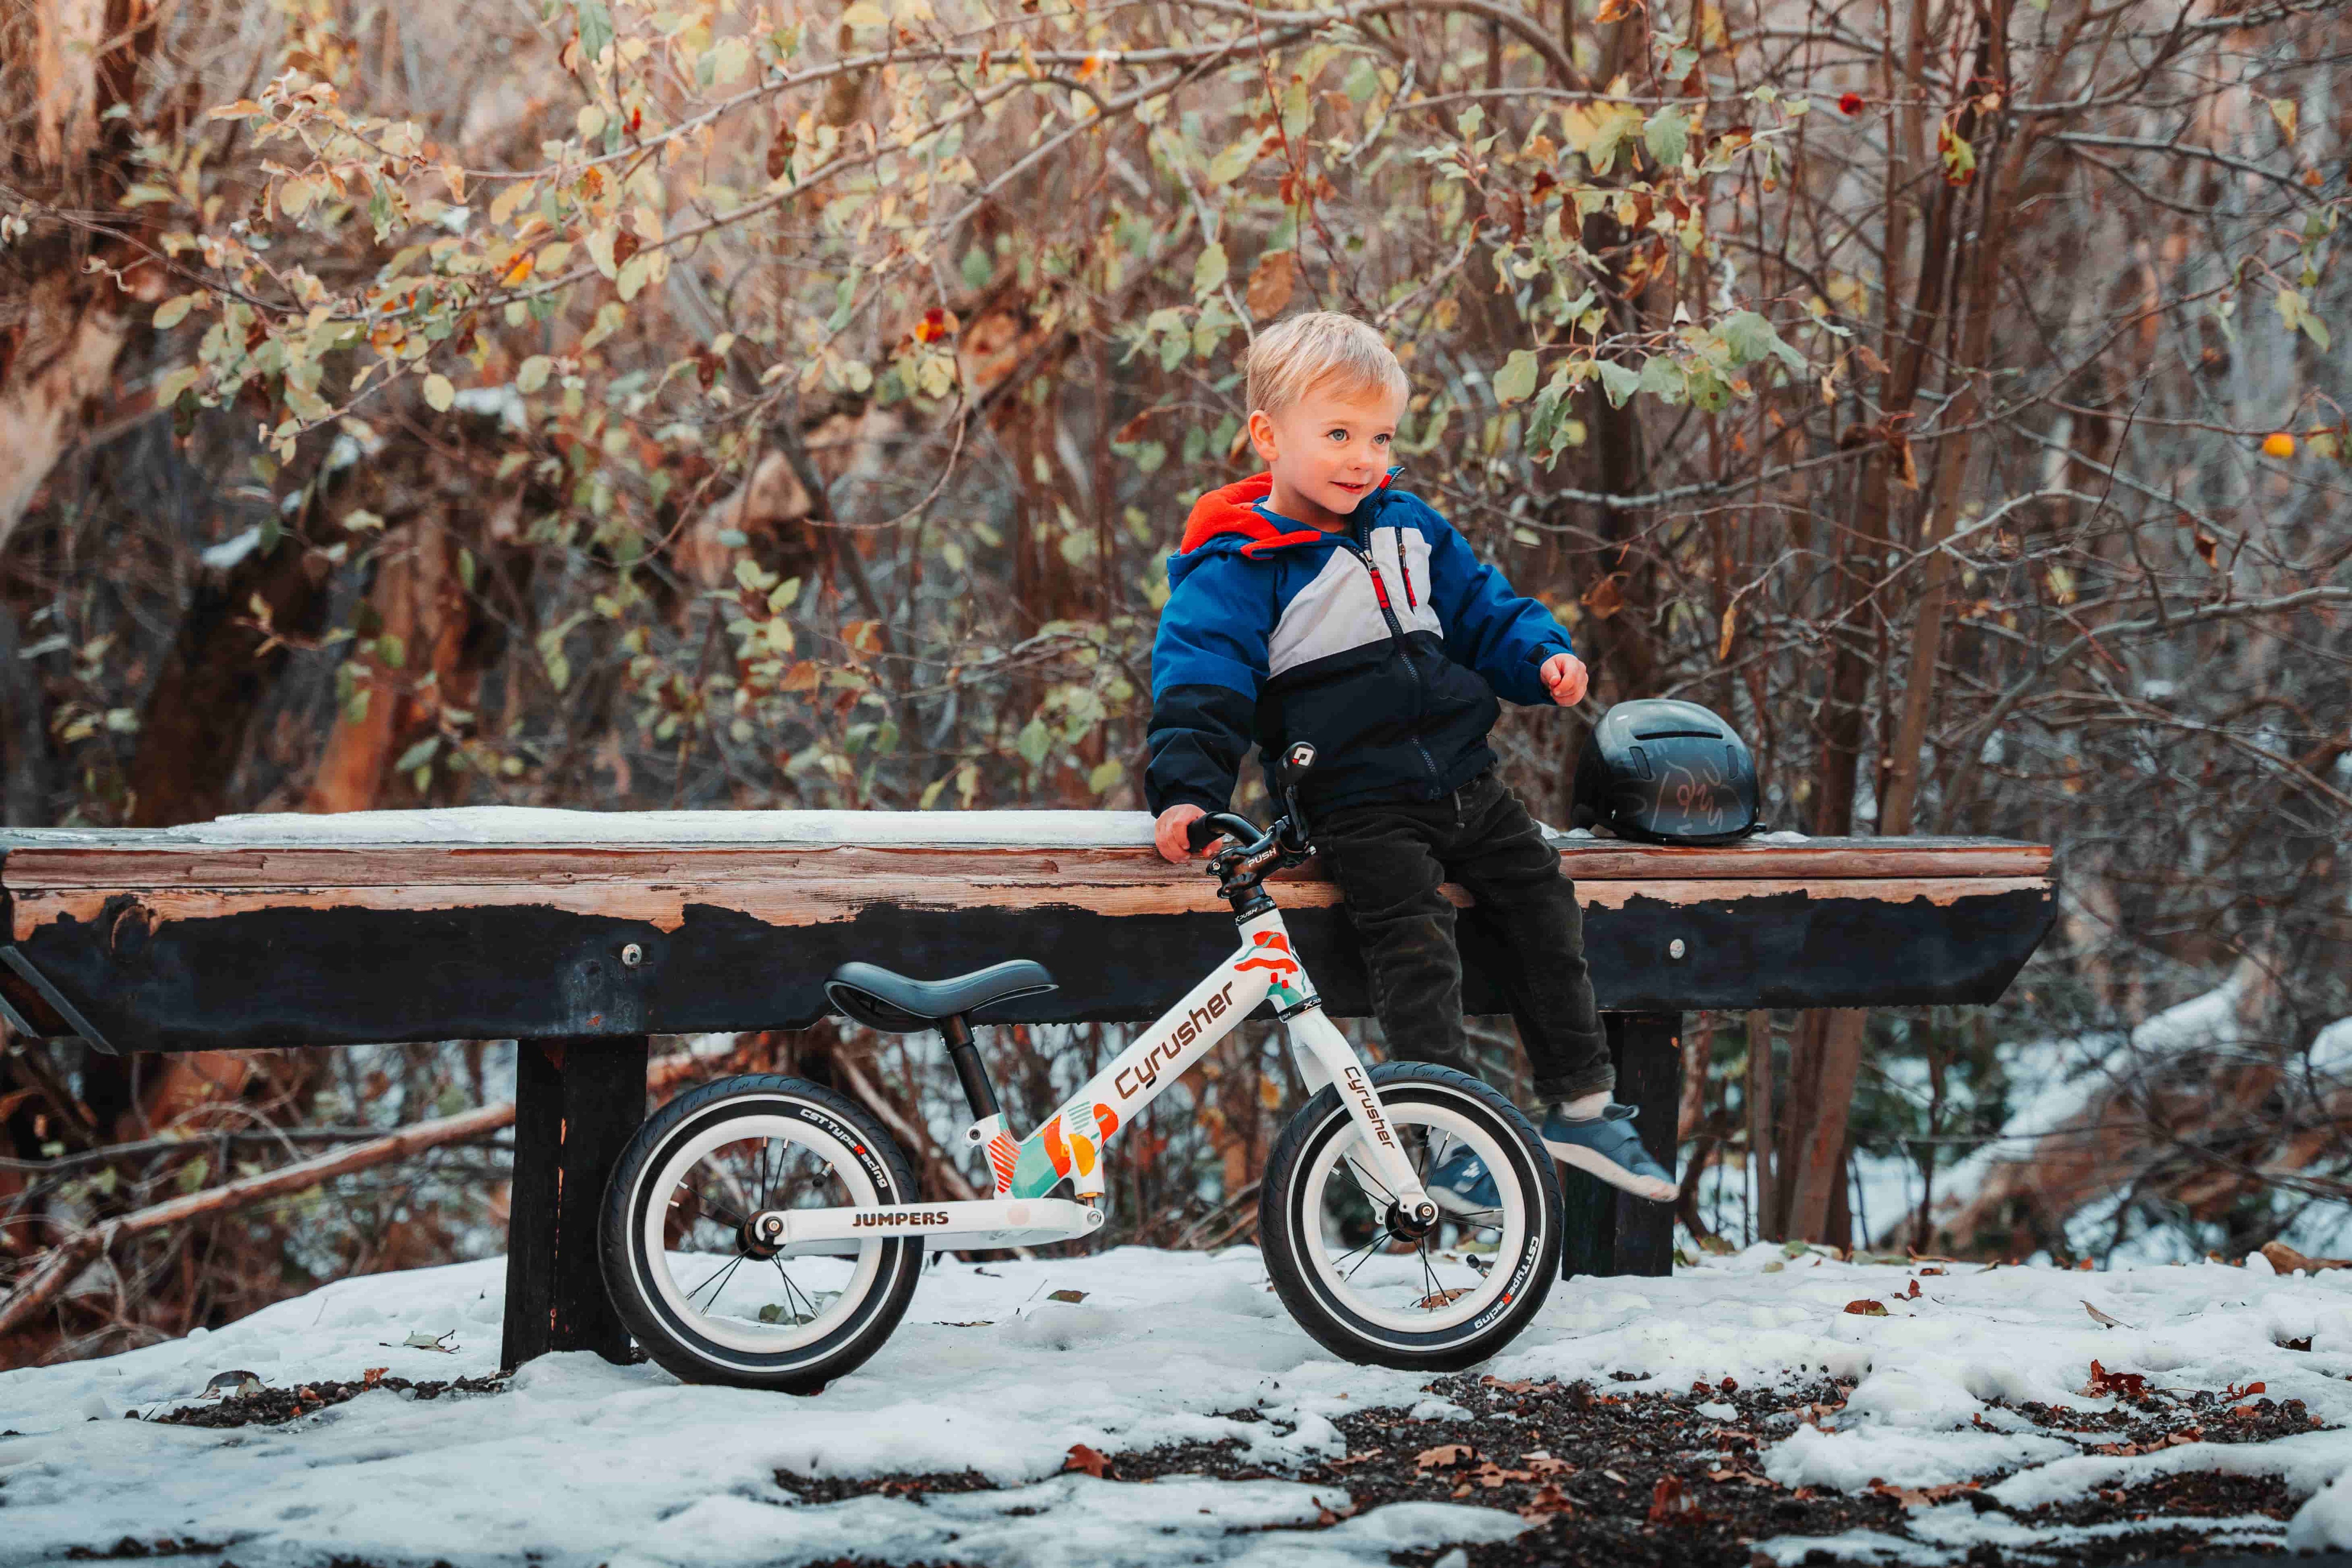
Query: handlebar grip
x=1203 y=831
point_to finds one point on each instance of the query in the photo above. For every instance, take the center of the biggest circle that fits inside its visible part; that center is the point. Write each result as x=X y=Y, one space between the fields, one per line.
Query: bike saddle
x=897 y=1006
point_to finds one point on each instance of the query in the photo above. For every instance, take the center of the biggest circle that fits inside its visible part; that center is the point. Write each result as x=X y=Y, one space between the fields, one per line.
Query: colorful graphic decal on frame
x=1270 y=951
x=1069 y=1145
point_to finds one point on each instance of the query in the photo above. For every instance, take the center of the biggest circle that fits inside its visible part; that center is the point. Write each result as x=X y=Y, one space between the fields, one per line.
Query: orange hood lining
x=1231 y=509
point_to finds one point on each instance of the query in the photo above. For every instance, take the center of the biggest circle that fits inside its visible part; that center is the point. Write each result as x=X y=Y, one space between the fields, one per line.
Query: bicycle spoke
x=1361 y=1175
x=722 y=1276
x=1366 y=1249
x=793 y=1296
x=712 y=1206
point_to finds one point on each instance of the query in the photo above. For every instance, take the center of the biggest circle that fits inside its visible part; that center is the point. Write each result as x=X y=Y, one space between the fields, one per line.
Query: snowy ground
x=584 y=1463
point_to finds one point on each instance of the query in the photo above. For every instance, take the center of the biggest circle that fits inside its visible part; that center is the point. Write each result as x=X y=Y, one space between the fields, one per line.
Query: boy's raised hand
x=1168 y=833
x=1565 y=677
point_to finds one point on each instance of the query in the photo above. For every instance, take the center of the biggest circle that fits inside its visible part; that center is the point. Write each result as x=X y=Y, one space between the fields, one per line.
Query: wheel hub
x=1410 y=1224
x=761 y=1236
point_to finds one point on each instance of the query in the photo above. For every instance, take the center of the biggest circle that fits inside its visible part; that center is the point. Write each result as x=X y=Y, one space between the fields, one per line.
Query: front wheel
x=1356 y=1275
x=696 y=1287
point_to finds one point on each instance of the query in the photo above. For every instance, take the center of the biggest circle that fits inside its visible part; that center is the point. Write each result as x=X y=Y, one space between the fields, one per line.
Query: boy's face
x=1327 y=450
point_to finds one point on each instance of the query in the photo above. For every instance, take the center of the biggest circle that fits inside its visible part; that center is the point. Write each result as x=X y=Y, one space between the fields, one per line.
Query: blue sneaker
x=1462 y=1186
x=1607 y=1146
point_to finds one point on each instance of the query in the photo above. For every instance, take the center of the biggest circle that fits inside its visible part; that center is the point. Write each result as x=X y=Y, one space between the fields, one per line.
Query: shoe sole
x=1593 y=1162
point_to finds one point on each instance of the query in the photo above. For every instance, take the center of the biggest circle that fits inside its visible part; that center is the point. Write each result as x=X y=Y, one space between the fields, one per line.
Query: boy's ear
x=1262 y=434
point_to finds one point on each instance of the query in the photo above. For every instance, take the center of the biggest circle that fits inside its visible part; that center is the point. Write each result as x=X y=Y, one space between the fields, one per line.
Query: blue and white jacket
x=1386 y=645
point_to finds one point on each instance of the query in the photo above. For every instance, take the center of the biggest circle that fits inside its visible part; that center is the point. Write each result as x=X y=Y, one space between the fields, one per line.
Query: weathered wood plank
x=127 y=860
x=664 y=905
x=154 y=971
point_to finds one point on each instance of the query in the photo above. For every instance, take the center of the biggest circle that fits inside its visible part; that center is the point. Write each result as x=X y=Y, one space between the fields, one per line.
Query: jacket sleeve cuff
x=1183 y=796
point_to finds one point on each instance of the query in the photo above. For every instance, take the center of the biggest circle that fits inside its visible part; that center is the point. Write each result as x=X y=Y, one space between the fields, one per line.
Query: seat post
x=977 y=1090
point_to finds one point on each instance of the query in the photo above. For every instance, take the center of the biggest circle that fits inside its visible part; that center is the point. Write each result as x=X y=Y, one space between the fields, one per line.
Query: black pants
x=1389 y=858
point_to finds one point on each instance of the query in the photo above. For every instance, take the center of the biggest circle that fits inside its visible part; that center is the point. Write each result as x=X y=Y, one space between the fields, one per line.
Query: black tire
x=682 y=1341
x=1286 y=1230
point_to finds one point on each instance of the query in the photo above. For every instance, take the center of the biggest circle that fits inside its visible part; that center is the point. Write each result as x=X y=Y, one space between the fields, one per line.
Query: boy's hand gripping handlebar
x=1255 y=853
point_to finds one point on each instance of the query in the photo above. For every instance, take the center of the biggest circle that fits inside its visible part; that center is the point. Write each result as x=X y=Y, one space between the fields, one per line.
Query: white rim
x=1347 y=1273
x=746 y=1334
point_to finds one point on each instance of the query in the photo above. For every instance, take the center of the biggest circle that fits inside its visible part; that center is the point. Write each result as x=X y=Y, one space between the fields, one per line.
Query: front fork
x=1324 y=1057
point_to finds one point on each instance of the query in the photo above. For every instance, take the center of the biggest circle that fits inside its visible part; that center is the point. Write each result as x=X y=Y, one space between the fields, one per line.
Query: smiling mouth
x=1346 y=485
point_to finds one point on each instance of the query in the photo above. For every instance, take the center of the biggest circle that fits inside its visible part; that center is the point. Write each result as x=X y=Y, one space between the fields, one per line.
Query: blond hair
x=1301 y=353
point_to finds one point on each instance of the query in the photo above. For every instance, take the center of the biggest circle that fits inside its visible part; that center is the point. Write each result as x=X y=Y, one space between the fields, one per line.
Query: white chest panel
x=1338 y=610
x=1403 y=557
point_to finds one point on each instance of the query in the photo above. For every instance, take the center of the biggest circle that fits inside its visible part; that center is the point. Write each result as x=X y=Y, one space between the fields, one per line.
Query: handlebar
x=1257 y=851
x=1203 y=831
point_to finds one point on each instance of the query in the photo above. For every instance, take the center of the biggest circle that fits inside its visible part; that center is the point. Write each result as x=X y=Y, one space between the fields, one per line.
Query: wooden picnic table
x=583 y=933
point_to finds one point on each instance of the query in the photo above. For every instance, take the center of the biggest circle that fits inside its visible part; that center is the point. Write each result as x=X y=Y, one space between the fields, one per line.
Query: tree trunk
x=62 y=324
x=1821 y=1147
x=413 y=668
x=1760 y=1125
x=192 y=727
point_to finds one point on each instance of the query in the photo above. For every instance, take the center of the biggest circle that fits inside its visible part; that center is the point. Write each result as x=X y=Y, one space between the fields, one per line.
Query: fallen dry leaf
x=1912 y=1497
x=1749 y=1477
x=2103 y=1319
x=1866 y=1308
x=1670 y=1503
x=2126 y=1385
x=1550 y=1500
x=1543 y=1464
x=1091 y=1461
x=1491 y=1475
x=2286 y=1259
x=1443 y=1456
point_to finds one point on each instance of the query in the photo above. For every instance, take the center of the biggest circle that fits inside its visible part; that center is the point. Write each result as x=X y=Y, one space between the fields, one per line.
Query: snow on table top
x=524 y=824
x=548 y=825
x=587 y=1463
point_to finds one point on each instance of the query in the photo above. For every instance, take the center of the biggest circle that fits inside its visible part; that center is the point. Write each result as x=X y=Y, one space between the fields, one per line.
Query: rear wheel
x=1371 y=1287
x=701 y=1293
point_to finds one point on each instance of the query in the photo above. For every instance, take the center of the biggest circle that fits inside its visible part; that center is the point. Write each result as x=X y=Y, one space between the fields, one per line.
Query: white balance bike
x=765 y=1231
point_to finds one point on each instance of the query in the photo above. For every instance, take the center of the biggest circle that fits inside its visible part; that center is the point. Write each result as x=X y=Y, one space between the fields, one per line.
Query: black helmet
x=1665 y=772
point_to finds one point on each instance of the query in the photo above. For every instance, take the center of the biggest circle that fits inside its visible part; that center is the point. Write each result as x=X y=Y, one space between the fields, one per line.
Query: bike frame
x=1070 y=1145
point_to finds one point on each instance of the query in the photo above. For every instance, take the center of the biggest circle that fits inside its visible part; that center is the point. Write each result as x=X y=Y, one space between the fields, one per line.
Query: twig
x=64 y=1262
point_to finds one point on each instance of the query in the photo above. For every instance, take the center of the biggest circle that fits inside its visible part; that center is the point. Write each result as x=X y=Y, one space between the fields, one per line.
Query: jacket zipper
x=1396 y=634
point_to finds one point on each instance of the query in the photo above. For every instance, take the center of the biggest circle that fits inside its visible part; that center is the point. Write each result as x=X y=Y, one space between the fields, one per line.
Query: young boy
x=1315 y=602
